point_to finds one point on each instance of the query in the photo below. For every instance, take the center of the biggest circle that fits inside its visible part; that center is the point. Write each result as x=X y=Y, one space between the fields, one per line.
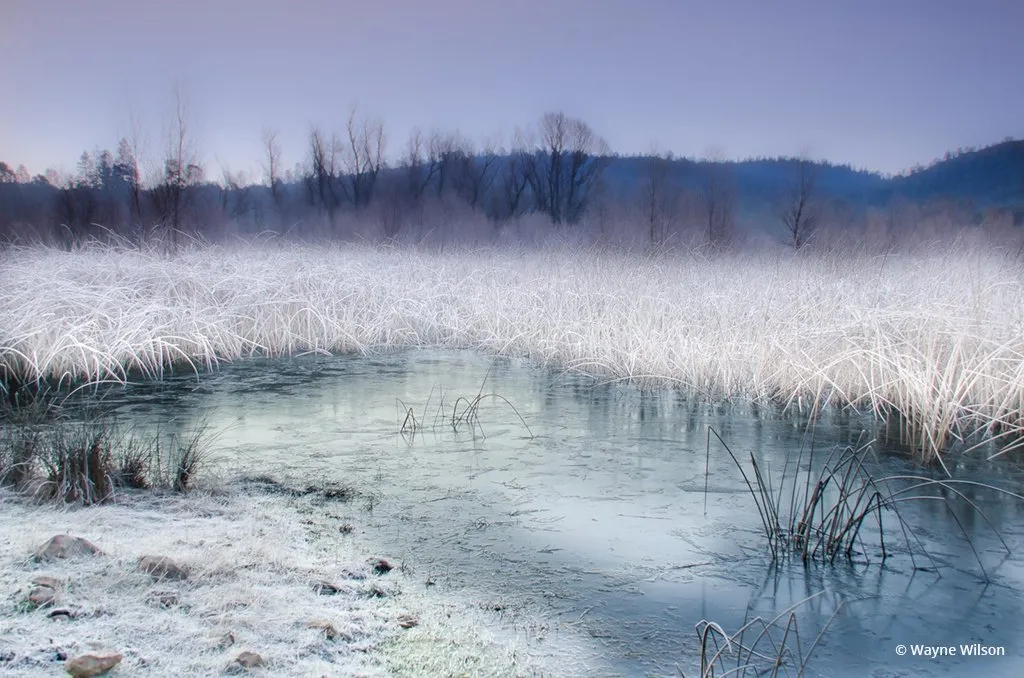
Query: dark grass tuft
x=78 y=464
x=822 y=516
x=47 y=454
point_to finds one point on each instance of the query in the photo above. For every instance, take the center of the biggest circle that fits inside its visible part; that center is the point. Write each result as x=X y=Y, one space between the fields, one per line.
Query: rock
x=227 y=640
x=248 y=660
x=327 y=627
x=66 y=546
x=164 y=598
x=353 y=574
x=374 y=591
x=64 y=613
x=162 y=567
x=92 y=664
x=380 y=566
x=42 y=596
x=47 y=581
x=326 y=588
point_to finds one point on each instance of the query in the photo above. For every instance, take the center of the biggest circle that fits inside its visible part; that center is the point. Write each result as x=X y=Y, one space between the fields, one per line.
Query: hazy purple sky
x=881 y=84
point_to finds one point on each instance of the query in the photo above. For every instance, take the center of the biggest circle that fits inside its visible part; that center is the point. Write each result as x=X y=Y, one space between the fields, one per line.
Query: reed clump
x=819 y=510
x=48 y=454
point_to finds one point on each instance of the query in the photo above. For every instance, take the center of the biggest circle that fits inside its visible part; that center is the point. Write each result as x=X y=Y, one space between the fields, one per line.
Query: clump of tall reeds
x=825 y=511
x=50 y=454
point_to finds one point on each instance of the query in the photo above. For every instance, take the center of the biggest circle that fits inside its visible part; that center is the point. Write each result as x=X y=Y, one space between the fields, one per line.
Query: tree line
x=553 y=170
x=445 y=186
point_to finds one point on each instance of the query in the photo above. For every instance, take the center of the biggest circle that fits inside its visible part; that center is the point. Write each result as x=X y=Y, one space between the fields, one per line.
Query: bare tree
x=363 y=158
x=272 y=164
x=515 y=178
x=320 y=181
x=566 y=166
x=658 y=196
x=588 y=156
x=181 y=171
x=799 y=211
x=476 y=173
x=127 y=166
x=431 y=161
x=235 y=194
x=446 y=151
x=717 y=199
x=419 y=166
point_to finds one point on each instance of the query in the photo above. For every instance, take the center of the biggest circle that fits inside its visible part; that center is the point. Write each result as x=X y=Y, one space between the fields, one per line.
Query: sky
x=878 y=84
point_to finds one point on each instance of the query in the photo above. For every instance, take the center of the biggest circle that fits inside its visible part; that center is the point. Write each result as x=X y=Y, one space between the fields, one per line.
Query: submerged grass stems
x=761 y=647
x=935 y=338
x=821 y=513
x=468 y=417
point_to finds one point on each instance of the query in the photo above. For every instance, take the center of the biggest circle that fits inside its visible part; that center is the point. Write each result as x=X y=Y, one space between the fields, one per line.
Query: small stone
x=375 y=591
x=42 y=596
x=327 y=627
x=93 y=664
x=48 y=581
x=227 y=640
x=353 y=574
x=66 y=546
x=380 y=566
x=162 y=567
x=64 y=613
x=407 y=621
x=248 y=660
x=325 y=588
x=164 y=598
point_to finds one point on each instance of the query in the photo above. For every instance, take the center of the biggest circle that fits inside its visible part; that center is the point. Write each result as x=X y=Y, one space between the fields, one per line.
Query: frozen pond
x=598 y=521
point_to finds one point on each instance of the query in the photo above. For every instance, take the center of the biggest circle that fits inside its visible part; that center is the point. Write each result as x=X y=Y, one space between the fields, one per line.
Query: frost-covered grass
x=936 y=337
x=253 y=557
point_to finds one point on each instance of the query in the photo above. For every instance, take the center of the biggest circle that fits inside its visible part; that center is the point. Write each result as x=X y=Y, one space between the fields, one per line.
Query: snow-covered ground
x=259 y=563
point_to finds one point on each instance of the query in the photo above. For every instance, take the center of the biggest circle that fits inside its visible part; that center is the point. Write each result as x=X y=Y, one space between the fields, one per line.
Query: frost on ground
x=280 y=575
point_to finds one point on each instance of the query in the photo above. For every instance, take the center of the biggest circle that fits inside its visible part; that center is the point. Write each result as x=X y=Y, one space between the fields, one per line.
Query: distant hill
x=991 y=176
